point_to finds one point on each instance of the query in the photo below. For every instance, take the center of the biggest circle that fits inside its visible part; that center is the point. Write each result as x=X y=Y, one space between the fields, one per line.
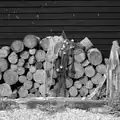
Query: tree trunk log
x=89 y=71
x=94 y=56
x=86 y=43
x=73 y=91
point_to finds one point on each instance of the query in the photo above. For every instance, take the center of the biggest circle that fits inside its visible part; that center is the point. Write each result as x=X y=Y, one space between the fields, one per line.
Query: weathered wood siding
x=98 y=20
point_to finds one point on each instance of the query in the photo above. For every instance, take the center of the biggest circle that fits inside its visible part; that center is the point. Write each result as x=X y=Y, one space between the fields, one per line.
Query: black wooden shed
x=97 y=20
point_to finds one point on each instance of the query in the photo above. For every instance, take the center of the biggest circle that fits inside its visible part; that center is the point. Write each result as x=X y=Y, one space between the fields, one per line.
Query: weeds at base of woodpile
x=114 y=104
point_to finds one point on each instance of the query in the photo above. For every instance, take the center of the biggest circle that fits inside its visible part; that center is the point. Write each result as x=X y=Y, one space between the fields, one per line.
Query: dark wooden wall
x=97 y=20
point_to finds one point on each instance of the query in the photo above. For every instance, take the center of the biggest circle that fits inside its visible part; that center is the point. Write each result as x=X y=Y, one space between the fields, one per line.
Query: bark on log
x=20 y=70
x=69 y=82
x=83 y=91
x=79 y=55
x=24 y=55
x=73 y=91
x=40 y=56
x=3 y=64
x=39 y=76
x=32 y=51
x=78 y=84
x=101 y=69
x=22 y=92
x=28 y=84
x=17 y=46
x=86 y=43
x=97 y=78
x=89 y=85
x=21 y=62
x=22 y=78
x=29 y=75
x=10 y=77
x=85 y=63
x=89 y=71
x=31 y=60
x=31 y=41
x=94 y=56
x=13 y=58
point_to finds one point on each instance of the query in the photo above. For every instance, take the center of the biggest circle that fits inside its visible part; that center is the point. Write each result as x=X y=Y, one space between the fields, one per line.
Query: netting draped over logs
x=53 y=66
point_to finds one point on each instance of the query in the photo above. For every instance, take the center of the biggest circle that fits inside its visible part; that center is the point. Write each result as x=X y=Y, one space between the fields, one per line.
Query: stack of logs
x=27 y=68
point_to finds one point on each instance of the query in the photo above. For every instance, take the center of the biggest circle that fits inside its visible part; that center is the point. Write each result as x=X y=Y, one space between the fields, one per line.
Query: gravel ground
x=67 y=114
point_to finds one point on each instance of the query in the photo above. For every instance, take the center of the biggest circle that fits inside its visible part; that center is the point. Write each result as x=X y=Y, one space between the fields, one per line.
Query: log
x=14 y=67
x=56 y=86
x=3 y=64
x=14 y=95
x=79 y=55
x=21 y=62
x=27 y=65
x=4 y=52
x=28 y=84
x=32 y=69
x=89 y=71
x=52 y=93
x=22 y=78
x=69 y=82
x=36 y=85
x=31 y=41
x=94 y=56
x=40 y=56
x=24 y=55
x=31 y=60
x=17 y=46
x=5 y=90
x=38 y=65
x=84 y=80
x=78 y=84
x=50 y=82
x=22 y=92
x=79 y=70
x=45 y=43
x=97 y=78
x=85 y=63
x=86 y=43
x=73 y=91
x=32 y=51
x=89 y=85
x=13 y=58
x=67 y=93
x=29 y=75
x=20 y=70
x=42 y=90
x=10 y=77
x=39 y=76
x=33 y=90
x=37 y=93
x=101 y=69
x=47 y=65
x=83 y=91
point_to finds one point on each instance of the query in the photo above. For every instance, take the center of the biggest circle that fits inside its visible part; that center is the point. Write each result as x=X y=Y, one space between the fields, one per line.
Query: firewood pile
x=53 y=66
